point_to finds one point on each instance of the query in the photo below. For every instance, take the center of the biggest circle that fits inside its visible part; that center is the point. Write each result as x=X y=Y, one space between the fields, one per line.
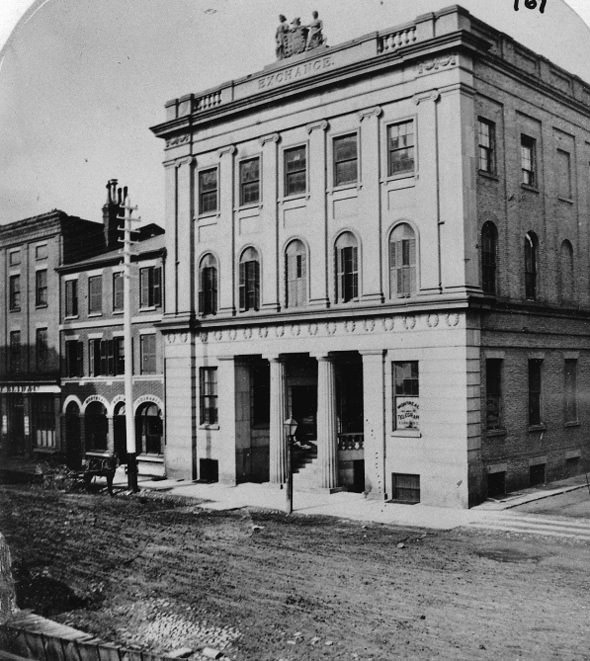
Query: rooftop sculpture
x=295 y=38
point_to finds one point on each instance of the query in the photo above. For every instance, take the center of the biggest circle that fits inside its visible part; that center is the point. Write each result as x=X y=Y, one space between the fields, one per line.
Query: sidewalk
x=346 y=505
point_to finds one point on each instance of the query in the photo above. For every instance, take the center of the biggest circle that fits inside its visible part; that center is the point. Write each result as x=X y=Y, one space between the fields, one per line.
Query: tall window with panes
x=118 y=295
x=14 y=293
x=535 y=382
x=150 y=287
x=402 y=261
x=15 y=353
x=118 y=355
x=41 y=349
x=74 y=358
x=208 y=396
x=71 y=298
x=208 y=191
x=41 y=288
x=489 y=256
x=530 y=266
x=571 y=396
x=295 y=166
x=564 y=174
x=528 y=160
x=406 y=395
x=346 y=268
x=345 y=152
x=208 y=285
x=147 y=353
x=249 y=280
x=250 y=181
x=95 y=294
x=494 y=394
x=400 y=148
x=487 y=146
x=296 y=274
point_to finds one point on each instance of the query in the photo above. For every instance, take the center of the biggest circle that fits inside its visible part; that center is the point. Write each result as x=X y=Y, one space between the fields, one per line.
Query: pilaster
x=374 y=422
x=184 y=247
x=317 y=210
x=326 y=424
x=226 y=247
x=270 y=214
x=278 y=442
x=226 y=384
x=370 y=203
x=110 y=434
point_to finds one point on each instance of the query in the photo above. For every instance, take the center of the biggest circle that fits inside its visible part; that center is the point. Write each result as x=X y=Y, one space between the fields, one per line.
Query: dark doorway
x=304 y=404
x=358 y=476
x=73 y=436
x=120 y=433
x=537 y=474
x=349 y=393
x=16 y=425
x=96 y=427
x=496 y=484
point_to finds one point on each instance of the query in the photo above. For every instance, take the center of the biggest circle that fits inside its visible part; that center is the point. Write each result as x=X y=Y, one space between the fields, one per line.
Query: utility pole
x=128 y=219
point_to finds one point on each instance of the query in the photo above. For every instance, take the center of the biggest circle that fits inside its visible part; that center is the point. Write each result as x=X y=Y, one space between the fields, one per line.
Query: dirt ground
x=573 y=504
x=162 y=573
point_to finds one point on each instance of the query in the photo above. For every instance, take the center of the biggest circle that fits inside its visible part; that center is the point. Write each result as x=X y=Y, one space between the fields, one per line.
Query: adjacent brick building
x=388 y=240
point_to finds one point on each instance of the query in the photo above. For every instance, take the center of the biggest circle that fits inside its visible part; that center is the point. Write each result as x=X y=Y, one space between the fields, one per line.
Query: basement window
x=405 y=488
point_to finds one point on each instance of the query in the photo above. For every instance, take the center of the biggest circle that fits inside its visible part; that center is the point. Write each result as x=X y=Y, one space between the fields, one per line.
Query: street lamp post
x=290 y=430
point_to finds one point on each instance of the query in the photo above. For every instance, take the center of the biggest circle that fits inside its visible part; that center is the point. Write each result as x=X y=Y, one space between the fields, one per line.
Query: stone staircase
x=305 y=467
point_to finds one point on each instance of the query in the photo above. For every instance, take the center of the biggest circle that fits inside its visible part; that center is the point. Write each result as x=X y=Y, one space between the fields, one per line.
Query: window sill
x=567 y=200
x=94 y=314
x=488 y=175
x=118 y=311
x=208 y=215
x=212 y=427
x=495 y=433
x=406 y=433
x=572 y=423
x=250 y=206
x=71 y=317
x=295 y=196
x=350 y=186
x=539 y=427
x=14 y=310
x=532 y=189
x=40 y=306
x=46 y=450
x=399 y=176
x=148 y=308
x=153 y=458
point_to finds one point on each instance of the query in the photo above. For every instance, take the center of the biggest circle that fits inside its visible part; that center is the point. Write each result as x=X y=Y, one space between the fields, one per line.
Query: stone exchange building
x=388 y=240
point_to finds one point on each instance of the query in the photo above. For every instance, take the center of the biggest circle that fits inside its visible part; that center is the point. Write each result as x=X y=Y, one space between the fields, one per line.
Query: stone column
x=58 y=422
x=82 y=424
x=110 y=434
x=278 y=441
x=374 y=423
x=326 y=423
x=226 y=388
x=269 y=214
x=184 y=246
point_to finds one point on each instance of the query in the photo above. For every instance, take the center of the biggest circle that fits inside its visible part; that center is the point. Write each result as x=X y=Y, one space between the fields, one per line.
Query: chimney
x=110 y=211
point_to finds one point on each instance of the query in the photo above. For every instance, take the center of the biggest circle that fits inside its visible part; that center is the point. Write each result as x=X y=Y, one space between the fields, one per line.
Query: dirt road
x=265 y=587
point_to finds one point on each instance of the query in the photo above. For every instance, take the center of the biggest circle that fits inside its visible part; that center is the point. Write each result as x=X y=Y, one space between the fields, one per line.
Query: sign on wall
x=407 y=413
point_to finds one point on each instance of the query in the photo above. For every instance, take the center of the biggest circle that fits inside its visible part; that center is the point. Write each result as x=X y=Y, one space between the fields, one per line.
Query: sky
x=81 y=81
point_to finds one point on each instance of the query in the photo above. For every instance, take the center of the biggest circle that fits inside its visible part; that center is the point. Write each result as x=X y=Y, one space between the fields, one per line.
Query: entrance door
x=16 y=425
x=304 y=405
x=73 y=437
x=120 y=432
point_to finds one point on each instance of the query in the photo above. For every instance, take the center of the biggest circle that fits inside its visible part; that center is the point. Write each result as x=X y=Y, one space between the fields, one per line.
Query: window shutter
x=213 y=294
x=144 y=288
x=256 y=274
x=242 y=286
x=104 y=365
x=111 y=356
x=157 y=293
x=79 y=358
x=302 y=280
x=202 y=285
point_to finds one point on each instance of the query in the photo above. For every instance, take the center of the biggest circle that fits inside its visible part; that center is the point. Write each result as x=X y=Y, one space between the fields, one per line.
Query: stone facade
x=346 y=246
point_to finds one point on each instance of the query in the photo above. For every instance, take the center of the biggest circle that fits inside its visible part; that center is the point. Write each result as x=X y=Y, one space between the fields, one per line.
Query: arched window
x=489 y=252
x=148 y=429
x=402 y=262
x=566 y=272
x=295 y=274
x=96 y=426
x=347 y=276
x=249 y=280
x=208 y=285
x=530 y=265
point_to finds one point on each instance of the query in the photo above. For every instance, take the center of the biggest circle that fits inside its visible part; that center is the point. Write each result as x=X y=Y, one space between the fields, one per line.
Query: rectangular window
x=44 y=421
x=74 y=364
x=117 y=292
x=487 y=146
x=250 y=181
x=347 y=270
x=400 y=148
x=406 y=396
x=208 y=395
x=119 y=355
x=405 y=488
x=150 y=287
x=571 y=396
x=208 y=191
x=147 y=349
x=493 y=393
x=345 y=160
x=15 y=360
x=535 y=366
x=41 y=251
x=95 y=294
x=528 y=160
x=260 y=389
x=564 y=175
x=295 y=162
x=41 y=348
x=71 y=298
x=14 y=292
x=107 y=357
x=94 y=358
x=14 y=258
x=41 y=288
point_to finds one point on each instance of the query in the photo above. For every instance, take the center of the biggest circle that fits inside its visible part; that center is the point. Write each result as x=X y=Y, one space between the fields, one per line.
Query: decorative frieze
x=178 y=140
x=436 y=63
